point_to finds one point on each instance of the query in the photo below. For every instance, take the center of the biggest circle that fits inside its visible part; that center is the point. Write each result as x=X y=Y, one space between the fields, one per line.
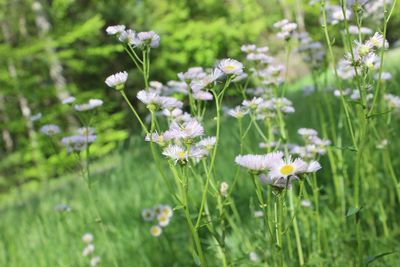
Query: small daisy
x=89 y=249
x=231 y=66
x=167 y=210
x=238 y=112
x=50 y=129
x=258 y=163
x=158 y=209
x=68 y=100
x=113 y=30
x=127 y=36
x=117 y=80
x=208 y=142
x=155 y=230
x=87 y=238
x=283 y=168
x=163 y=219
x=86 y=131
x=147 y=215
x=94 y=261
x=92 y=104
x=145 y=39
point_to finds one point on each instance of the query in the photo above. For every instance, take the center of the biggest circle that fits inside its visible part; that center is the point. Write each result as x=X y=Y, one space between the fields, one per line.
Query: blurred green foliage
x=193 y=33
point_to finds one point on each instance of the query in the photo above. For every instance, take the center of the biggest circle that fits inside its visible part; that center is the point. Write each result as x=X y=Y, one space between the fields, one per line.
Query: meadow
x=281 y=156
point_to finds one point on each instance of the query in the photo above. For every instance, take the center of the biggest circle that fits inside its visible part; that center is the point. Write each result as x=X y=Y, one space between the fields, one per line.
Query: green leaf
x=353 y=211
x=371 y=259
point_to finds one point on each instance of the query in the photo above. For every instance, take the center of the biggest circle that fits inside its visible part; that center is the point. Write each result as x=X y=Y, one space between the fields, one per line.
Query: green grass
x=33 y=234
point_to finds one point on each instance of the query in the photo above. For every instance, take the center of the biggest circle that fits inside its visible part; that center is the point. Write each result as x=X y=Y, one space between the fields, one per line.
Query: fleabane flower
x=91 y=104
x=238 y=112
x=284 y=168
x=176 y=153
x=87 y=238
x=155 y=230
x=50 y=129
x=117 y=80
x=147 y=215
x=230 y=66
x=147 y=39
x=163 y=219
x=115 y=29
x=258 y=163
x=208 y=142
x=378 y=41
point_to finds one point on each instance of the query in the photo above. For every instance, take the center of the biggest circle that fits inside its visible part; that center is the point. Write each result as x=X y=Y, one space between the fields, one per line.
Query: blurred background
x=53 y=49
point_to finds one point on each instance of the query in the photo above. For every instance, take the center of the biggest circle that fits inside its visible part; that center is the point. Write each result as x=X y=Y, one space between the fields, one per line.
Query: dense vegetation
x=280 y=150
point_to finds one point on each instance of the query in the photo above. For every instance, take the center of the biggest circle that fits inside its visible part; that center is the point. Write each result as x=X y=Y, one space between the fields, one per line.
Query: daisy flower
x=230 y=66
x=87 y=238
x=117 y=80
x=208 y=142
x=147 y=215
x=176 y=153
x=116 y=29
x=144 y=39
x=94 y=261
x=89 y=249
x=155 y=230
x=258 y=163
x=167 y=210
x=163 y=219
x=68 y=100
x=50 y=129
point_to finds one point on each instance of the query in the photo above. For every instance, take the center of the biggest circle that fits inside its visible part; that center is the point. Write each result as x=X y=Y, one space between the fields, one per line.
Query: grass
x=34 y=234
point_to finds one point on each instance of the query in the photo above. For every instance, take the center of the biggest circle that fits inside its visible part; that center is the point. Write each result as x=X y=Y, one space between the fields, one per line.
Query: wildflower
x=147 y=39
x=176 y=153
x=167 y=210
x=306 y=132
x=92 y=104
x=87 y=238
x=155 y=230
x=192 y=74
x=284 y=168
x=187 y=131
x=253 y=256
x=77 y=142
x=50 y=129
x=257 y=163
x=127 y=36
x=231 y=66
x=377 y=41
x=89 y=249
x=305 y=203
x=223 y=189
x=385 y=76
x=86 y=131
x=247 y=48
x=147 y=215
x=163 y=219
x=208 y=142
x=68 y=100
x=253 y=103
x=238 y=112
x=117 y=80
x=116 y=29
x=36 y=117
x=94 y=261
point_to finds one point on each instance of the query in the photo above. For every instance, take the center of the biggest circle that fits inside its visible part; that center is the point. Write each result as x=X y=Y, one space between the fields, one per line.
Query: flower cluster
x=78 y=142
x=363 y=57
x=141 y=40
x=313 y=145
x=89 y=249
x=161 y=213
x=287 y=29
x=281 y=171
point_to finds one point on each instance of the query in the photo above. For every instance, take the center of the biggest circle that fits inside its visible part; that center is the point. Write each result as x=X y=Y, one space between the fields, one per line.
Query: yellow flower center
x=287 y=169
x=181 y=154
x=155 y=230
x=230 y=67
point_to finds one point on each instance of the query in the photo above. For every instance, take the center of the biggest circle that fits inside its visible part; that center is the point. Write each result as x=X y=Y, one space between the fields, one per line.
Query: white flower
x=93 y=103
x=89 y=249
x=117 y=80
x=247 y=48
x=377 y=41
x=94 y=261
x=284 y=168
x=176 y=153
x=155 y=230
x=313 y=166
x=87 y=238
x=258 y=162
x=168 y=211
x=127 y=36
x=36 y=116
x=281 y=23
x=253 y=256
x=208 y=142
x=385 y=76
x=307 y=132
x=143 y=39
x=163 y=219
x=238 y=112
x=50 y=129
x=231 y=66
x=187 y=130
x=86 y=131
x=306 y=203
x=68 y=100
x=258 y=214
x=77 y=142
x=113 y=30
x=223 y=188
x=147 y=215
